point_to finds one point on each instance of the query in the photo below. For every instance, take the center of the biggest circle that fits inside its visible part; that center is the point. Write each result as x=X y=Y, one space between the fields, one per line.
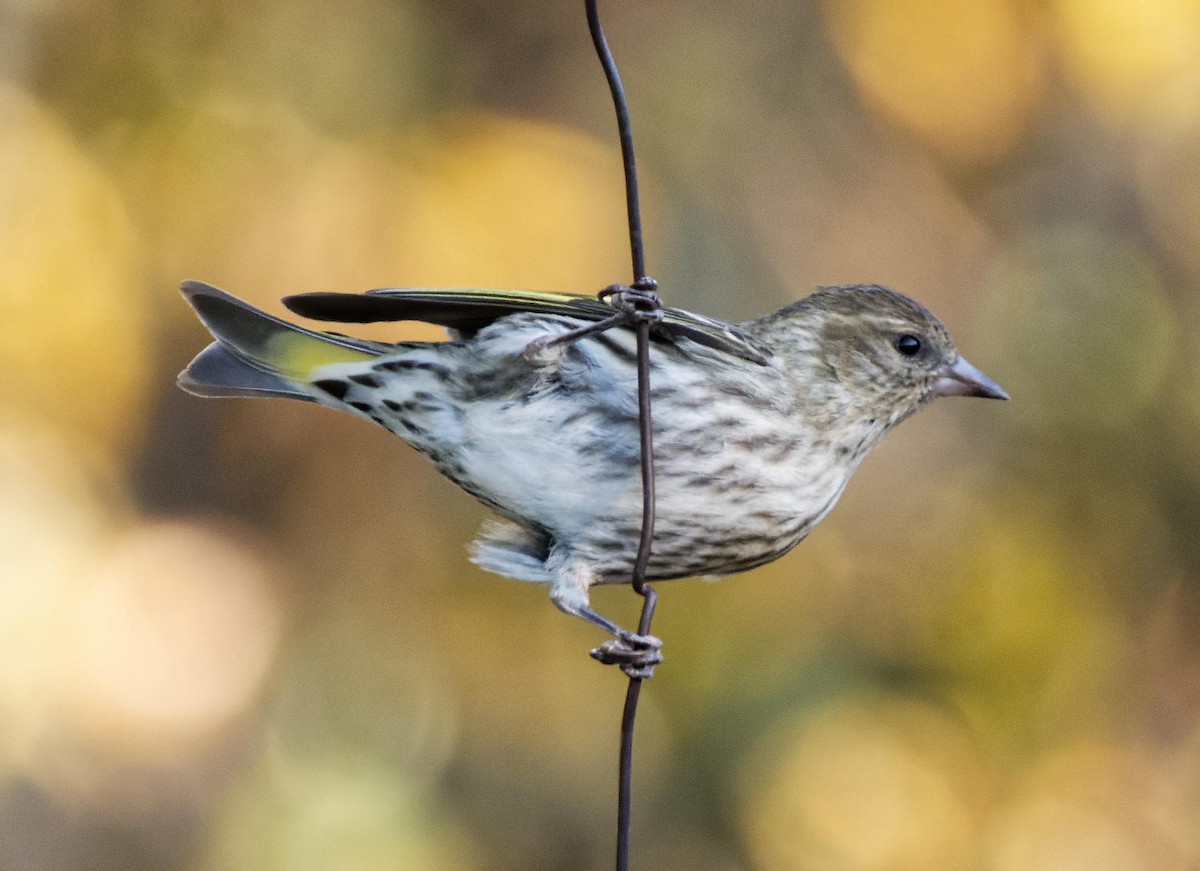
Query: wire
x=646 y=289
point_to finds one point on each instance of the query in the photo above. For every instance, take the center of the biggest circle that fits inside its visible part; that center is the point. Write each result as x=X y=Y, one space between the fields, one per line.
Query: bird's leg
x=635 y=654
x=538 y=347
x=632 y=304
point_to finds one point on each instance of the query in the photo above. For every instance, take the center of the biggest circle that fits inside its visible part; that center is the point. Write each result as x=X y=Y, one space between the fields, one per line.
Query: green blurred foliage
x=245 y=635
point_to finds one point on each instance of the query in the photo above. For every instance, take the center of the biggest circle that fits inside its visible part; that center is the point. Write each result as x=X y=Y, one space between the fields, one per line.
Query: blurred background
x=245 y=634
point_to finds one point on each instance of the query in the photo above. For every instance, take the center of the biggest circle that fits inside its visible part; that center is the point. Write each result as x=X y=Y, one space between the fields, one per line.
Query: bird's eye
x=908 y=345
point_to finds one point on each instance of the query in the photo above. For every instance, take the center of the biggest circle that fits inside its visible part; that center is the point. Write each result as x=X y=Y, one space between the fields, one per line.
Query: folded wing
x=469 y=310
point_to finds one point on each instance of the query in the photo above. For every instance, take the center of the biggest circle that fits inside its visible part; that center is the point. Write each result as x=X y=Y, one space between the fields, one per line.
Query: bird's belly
x=717 y=521
x=740 y=478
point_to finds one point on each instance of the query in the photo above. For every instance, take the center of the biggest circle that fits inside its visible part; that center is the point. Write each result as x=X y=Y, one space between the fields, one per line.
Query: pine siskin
x=758 y=426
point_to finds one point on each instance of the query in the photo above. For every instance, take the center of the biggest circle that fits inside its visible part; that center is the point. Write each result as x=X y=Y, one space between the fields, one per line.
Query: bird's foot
x=634 y=304
x=635 y=654
x=637 y=302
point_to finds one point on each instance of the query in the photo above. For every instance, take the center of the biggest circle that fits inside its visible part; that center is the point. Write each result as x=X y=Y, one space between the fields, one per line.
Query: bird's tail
x=256 y=354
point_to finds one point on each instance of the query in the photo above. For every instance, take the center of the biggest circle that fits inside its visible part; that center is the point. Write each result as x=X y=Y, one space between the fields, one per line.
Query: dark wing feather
x=466 y=310
x=469 y=310
x=715 y=334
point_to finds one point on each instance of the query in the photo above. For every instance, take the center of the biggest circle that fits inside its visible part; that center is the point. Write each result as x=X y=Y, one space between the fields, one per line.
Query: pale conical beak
x=963 y=379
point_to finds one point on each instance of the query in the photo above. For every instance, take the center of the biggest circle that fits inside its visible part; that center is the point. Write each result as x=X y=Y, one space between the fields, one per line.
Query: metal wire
x=626 y=133
x=645 y=288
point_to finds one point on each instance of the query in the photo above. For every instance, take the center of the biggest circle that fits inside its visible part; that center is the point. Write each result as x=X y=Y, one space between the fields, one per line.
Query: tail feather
x=257 y=354
x=217 y=372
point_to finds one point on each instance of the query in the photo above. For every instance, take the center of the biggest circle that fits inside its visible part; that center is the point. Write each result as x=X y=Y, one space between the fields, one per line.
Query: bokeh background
x=245 y=635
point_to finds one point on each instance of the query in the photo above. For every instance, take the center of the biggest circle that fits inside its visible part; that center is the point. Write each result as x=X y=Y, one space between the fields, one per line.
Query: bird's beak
x=963 y=379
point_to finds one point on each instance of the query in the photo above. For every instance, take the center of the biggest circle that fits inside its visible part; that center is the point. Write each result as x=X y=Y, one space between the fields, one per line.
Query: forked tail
x=257 y=354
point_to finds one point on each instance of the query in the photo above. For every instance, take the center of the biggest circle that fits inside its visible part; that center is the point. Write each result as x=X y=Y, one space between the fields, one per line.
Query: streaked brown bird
x=758 y=426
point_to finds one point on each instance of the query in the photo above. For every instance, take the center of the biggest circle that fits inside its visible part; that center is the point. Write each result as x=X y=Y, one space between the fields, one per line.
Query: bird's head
x=886 y=351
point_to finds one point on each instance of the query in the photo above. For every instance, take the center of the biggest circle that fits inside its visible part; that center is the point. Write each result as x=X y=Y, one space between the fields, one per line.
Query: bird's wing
x=461 y=309
x=469 y=310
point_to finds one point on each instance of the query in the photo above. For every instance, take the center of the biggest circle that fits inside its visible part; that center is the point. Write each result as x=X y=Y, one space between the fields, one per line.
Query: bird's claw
x=634 y=304
x=635 y=654
x=638 y=302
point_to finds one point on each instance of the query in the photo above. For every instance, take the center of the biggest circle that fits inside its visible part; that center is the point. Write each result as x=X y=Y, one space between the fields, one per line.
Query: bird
x=757 y=425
